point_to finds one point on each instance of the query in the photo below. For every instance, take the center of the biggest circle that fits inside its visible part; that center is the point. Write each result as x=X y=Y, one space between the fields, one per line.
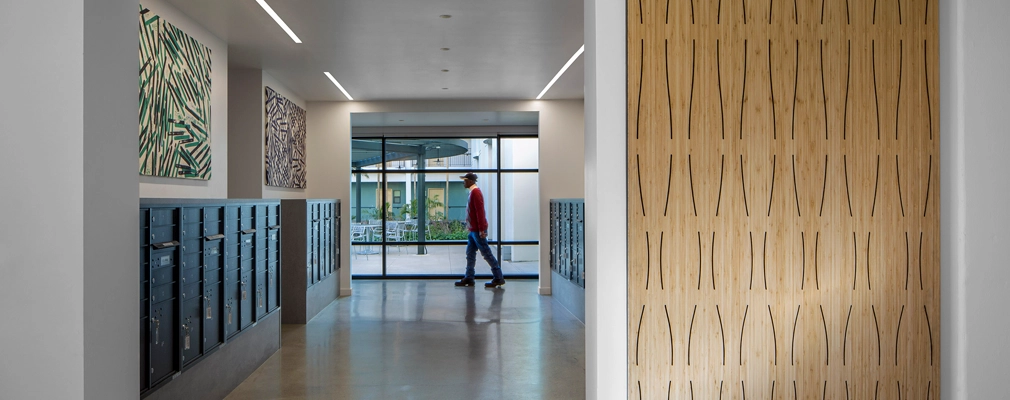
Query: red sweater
x=475 y=211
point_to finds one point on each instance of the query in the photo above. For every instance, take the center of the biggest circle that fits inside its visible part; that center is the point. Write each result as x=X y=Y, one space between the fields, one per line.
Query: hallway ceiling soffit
x=391 y=49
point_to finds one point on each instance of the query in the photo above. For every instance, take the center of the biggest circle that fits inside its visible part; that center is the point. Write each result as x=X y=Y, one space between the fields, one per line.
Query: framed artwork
x=285 y=142
x=175 y=89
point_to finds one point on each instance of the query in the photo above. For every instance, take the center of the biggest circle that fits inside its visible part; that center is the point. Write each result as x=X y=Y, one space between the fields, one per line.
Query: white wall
x=68 y=247
x=561 y=162
x=606 y=201
x=217 y=186
x=42 y=142
x=975 y=218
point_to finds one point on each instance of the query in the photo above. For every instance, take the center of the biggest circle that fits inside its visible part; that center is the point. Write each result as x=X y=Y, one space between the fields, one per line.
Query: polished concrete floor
x=440 y=260
x=429 y=340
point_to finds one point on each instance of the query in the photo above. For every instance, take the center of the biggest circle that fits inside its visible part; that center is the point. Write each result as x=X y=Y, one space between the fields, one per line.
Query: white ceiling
x=390 y=49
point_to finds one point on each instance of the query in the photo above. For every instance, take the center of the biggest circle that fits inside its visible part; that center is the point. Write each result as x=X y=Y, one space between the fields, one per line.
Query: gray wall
x=111 y=245
x=246 y=135
x=68 y=250
x=245 y=144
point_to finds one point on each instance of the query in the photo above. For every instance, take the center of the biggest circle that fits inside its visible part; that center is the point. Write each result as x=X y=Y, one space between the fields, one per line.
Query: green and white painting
x=175 y=92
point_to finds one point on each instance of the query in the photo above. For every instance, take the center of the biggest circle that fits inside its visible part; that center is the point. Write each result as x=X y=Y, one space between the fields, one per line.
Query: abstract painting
x=285 y=142
x=175 y=101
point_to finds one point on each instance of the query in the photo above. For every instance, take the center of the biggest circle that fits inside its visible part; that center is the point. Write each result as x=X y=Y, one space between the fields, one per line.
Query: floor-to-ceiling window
x=408 y=204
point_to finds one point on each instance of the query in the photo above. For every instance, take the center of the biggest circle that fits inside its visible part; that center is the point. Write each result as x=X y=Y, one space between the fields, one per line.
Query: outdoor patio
x=440 y=260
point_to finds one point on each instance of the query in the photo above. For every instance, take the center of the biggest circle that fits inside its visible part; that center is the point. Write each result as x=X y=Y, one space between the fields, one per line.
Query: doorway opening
x=408 y=202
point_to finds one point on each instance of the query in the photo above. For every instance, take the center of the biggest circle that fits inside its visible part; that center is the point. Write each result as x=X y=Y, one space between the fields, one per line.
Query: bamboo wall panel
x=783 y=185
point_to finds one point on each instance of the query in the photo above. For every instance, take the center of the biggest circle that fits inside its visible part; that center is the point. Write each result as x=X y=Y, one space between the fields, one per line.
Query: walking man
x=477 y=239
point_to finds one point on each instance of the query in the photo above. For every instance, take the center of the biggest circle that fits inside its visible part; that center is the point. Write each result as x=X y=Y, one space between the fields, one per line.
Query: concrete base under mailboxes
x=224 y=369
x=570 y=295
x=301 y=308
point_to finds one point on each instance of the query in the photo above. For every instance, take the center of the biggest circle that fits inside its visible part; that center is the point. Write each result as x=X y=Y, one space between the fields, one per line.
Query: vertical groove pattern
x=930 y=328
x=669 y=326
x=751 y=285
x=876 y=323
x=742 y=326
x=690 y=173
x=824 y=89
x=848 y=195
x=792 y=350
x=876 y=97
x=929 y=99
x=690 y=102
x=796 y=87
x=743 y=91
x=876 y=186
x=775 y=342
x=690 y=334
x=824 y=189
x=827 y=345
x=845 y=338
x=848 y=79
x=796 y=190
x=838 y=34
x=641 y=75
x=897 y=169
x=639 y=335
x=817 y=244
x=669 y=182
x=743 y=184
x=713 y=261
x=661 y=285
x=641 y=195
x=897 y=335
x=803 y=260
x=648 y=260
x=722 y=170
x=718 y=73
x=771 y=193
x=901 y=67
x=722 y=333
x=771 y=83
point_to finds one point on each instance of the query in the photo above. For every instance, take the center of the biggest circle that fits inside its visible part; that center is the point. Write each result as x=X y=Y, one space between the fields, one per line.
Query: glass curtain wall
x=408 y=205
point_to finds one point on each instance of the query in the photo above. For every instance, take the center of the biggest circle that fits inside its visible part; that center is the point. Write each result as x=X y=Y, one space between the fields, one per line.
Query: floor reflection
x=429 y=340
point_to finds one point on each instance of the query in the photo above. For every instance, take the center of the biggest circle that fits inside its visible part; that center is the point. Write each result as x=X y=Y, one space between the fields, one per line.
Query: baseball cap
x=469 y=175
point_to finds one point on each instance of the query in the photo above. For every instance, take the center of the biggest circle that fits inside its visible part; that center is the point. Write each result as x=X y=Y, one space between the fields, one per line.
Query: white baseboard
x=545 y=291
x=345 y=292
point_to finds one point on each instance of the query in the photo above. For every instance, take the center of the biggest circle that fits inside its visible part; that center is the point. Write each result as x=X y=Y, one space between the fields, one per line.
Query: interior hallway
x=427 y=339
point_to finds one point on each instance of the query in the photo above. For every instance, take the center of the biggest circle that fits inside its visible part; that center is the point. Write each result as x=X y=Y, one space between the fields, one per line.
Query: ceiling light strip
x=334 y=80
x=278 y=20
x=562 y=71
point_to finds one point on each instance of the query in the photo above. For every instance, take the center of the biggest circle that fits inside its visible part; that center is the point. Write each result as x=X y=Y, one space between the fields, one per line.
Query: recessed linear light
x=562 y=71
x=332 y=79
x=278 y=20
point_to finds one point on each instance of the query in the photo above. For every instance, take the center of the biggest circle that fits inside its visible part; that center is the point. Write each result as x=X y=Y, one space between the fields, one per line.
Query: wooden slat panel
x=783 y=199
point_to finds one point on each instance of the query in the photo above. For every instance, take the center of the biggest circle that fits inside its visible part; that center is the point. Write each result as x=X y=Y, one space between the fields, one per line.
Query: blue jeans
x=473 y=243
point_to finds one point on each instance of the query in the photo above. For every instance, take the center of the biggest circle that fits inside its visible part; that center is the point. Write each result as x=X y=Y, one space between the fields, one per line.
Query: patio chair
x=394 y=232
x=358 y=234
